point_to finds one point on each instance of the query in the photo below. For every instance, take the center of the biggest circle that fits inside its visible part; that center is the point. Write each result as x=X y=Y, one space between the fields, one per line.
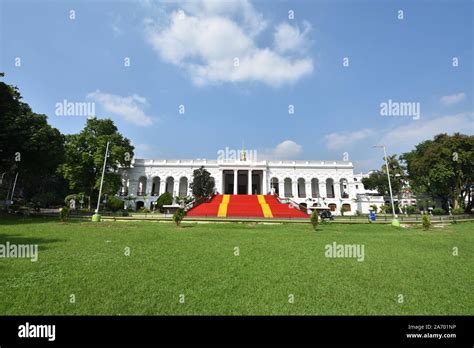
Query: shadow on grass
x=17 y=239
x=11 y=219
x=185 y=226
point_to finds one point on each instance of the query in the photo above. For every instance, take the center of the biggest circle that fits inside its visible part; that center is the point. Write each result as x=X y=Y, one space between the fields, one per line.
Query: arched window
x=141 y=186
x=170 y=185
x=344 y=185
x=274 y=185
x=288 y=188
x=183 y=187
x=346 y=207
x=301 y=188
x=330 y=188
x=332 y=206
x=124 y=187
x=314 y=188
x=155 y=186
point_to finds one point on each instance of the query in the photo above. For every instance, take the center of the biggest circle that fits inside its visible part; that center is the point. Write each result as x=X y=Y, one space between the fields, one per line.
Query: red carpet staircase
x=246 y=206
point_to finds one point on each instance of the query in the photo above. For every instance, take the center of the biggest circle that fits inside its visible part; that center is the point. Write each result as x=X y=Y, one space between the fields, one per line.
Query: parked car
x=326 y=214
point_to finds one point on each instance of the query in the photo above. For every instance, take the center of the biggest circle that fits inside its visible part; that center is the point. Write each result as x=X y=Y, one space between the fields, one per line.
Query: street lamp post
x=96 y=216
x=395 y=222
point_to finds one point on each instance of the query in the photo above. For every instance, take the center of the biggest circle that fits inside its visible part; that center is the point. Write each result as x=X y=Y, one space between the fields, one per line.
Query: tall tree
x=203 y=184
x=377 y=180
x=84 y=157
x=444 y=168
x=30 y=147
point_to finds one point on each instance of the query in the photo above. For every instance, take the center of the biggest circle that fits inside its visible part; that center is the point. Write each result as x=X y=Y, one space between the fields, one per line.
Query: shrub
x=426 y=222
x=178 y=216
x=165 y=199
x=457 y=211
x=184 y=200
x=314 y=219
x=64 y=213
x=388 y=208
x=124 y=213
x=144 y=210
x=438 y=211
x=410 y=209
x=114 y=204
x=373 y=207
x=424 y=204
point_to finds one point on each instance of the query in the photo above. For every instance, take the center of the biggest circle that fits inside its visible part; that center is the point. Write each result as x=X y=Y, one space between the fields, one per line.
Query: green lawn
x=87 y=260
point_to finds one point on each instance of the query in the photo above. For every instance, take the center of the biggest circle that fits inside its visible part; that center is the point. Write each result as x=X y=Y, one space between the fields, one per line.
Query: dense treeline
x=48 y=165
x=441 y=169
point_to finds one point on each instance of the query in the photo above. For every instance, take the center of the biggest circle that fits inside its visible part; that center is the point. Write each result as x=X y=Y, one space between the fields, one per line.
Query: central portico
x=244 y=181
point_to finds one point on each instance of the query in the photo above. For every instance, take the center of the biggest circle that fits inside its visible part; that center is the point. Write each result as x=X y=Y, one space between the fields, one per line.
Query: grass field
x=88 y=260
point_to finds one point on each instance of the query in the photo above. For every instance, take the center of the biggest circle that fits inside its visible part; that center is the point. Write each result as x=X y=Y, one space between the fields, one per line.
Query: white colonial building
x=331 y=184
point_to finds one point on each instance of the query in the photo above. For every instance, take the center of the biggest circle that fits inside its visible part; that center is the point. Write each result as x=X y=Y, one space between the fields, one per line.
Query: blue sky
x=182 y=53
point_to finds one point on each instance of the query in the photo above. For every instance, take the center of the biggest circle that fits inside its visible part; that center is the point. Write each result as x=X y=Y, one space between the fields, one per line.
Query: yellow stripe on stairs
x=267 y=212
x=223 y=206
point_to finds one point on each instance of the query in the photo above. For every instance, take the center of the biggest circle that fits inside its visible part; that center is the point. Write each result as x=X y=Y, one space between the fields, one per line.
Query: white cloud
x=288 y=38
x=341 y=140
x=452 y=99
x=287 y=149
x=241 y=10
x=418 y=131
x=206 y=39
x=401 y=139
x=130 y=108
x=405 y=137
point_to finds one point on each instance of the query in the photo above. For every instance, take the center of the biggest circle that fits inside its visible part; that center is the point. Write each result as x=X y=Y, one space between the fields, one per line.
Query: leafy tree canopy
x=443 y=168
x=30 y=147
x=203 y=184
x=84 y=157
x=378 y=180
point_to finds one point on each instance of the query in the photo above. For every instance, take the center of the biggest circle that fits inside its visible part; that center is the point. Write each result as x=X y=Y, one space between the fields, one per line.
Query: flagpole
x=395 y=222
x=96 y=215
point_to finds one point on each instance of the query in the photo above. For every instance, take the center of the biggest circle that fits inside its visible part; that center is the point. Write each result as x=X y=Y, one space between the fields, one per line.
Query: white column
x=149 y=184
x=264 y=182
x=351 y=190
x=308 y=189
x=162 y=186
x=176 y=188
x=281 y=188
x=322 y=189
x=337 y=190
x=236 y=174
x=294 y=189
x=249 y=184
x=189 y=190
